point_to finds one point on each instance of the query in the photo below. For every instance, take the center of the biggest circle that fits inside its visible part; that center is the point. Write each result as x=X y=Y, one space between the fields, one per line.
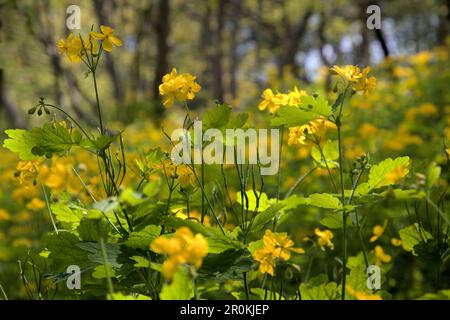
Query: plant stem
x=49 y=209
x=98 y=102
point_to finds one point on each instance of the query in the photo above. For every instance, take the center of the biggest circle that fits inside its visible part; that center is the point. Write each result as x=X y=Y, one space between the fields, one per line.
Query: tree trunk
x=162 y=29
x=216 y=60
x=13 y=114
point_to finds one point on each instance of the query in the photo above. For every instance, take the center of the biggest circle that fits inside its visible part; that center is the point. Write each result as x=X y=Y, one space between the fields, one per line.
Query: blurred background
x=236 y=48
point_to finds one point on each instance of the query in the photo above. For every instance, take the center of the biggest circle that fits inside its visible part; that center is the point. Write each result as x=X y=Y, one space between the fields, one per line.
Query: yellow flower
x=295 y=97
x=273 y=101
x=427 y=109
x=27 y=171
x=276 y=246
x=378 y=231
x=165 y=166
x=317 y=127
x=396 y=242
x=71 y=47
x=324 y=238
x=107 y=38
x=178 y=86
x=182 y=248
x=368 y=130
x=361 y=295
x=36 y=204
x=4 y=215
x=64 y=46
x=349 y=73
x=297 y=135
x=352 y=75
x=365 y=83
x=185 y=175
x=381 y=256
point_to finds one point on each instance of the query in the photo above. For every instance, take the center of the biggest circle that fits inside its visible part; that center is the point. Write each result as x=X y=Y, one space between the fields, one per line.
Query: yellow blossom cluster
x=317 y=128
x=182 y=173
x=354 y=77
x=179 y=87
x=276 y=246
x=324 y=238
x=77 y=47
x=182 y=248
x=273 y=101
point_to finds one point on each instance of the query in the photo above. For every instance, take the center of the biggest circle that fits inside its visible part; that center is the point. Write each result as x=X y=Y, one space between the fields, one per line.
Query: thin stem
x=98 y=102
x=49 y=209
x=71 y=118
x=299 y=180
x=105 y=261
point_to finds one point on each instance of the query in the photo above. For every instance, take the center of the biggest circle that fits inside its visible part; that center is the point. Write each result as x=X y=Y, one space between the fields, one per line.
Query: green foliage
x=180 y=288
x=379 y=172
x=309 y=109
x=330 y=153
x=51 y=139
x=319 y=288
x=142 y=239
x=413 y=235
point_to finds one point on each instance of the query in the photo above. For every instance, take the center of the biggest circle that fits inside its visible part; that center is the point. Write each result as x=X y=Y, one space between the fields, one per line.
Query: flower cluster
x=353 y=77
x=317 y=128
x=183 y=248
x=276 y=246
x=324 y=238
x=179 y=87
x=273 y=101
x=75 y=48
x=27 y=171
x=182 y=173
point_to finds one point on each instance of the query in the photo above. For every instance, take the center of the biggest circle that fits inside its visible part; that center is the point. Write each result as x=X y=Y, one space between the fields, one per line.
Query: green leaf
x=179 y=289
x=152 y=188
x=309 y=109
x=216 y=117
x=69 y=216
x=101 y=143
x=318 y=288
x=141 y=262
x=93 y=227
x=332 y=220
x=64 y=251
x=263 y=201
x=330 y=152
x=266 y=216
x=238 y=121
x=131 y=197
x=412 y=236
x=142 y=239
x=51 y=139
x=228 y=265
x=433 y=174
x=112 y=251
x=324 y=200
x=380 y=172
x=100 y=271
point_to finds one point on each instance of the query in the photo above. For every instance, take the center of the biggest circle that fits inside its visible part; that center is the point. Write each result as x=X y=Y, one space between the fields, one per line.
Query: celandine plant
x=202 y=223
